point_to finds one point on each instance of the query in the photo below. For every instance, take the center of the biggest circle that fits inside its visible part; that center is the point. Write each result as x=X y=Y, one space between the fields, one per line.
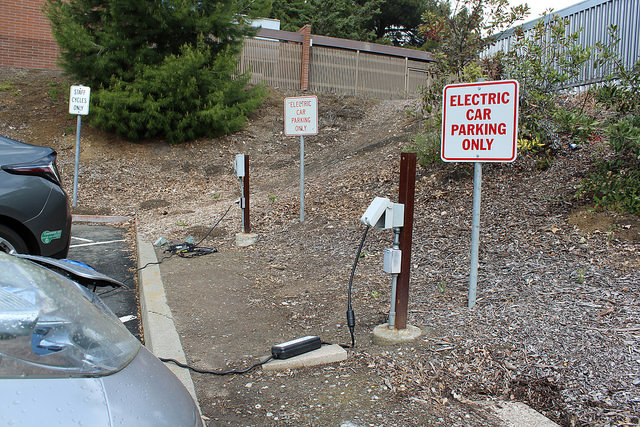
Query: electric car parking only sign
x=480 y=122
x=301 y=116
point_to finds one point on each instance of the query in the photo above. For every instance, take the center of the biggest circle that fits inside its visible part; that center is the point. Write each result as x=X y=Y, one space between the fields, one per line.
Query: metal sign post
x=79 y=105
x=301 y=178
x=475 y=233
x=301 y=118
x=479 y=124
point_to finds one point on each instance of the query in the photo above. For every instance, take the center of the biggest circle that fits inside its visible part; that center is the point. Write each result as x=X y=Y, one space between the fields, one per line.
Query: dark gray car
x=35 y=215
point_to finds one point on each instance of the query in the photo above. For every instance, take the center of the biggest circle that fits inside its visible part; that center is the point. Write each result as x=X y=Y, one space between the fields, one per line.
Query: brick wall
x=25 y=36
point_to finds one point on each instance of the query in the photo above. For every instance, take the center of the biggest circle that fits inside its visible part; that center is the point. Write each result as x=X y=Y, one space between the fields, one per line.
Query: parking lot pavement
x=104 y=247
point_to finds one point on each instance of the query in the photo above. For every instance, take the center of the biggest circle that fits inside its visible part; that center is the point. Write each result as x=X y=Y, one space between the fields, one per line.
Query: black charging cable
x=351 y=316
x=195 y=250
x=211 y=372
x=216 y=224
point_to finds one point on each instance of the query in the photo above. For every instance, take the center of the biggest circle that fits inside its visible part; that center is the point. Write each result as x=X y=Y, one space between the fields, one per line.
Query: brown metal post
x=247 y=222
x=406 y=197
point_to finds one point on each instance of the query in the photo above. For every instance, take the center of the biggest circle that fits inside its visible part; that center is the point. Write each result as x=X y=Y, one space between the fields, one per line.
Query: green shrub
x=426 y=145
x=615 y=184
x=157 y=69
x=183 y=98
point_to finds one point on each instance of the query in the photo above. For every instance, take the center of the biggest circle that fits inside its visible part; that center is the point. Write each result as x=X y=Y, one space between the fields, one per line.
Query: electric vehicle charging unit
x=382 y=213
x=238 y=166
x=241 y=168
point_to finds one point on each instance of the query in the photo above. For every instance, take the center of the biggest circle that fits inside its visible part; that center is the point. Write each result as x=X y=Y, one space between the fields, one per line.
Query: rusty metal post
x=246 y=223
x=406 y=197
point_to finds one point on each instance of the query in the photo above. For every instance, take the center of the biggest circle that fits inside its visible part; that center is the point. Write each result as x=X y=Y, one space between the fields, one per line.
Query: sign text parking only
x=480 y=122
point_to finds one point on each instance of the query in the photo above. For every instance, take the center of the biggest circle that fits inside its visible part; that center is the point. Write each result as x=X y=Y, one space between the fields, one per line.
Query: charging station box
x=296 y=347
x=238 y=165
x=391 y=261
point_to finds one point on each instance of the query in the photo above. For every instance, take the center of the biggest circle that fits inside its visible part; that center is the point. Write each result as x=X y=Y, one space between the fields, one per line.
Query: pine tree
x=157 y=68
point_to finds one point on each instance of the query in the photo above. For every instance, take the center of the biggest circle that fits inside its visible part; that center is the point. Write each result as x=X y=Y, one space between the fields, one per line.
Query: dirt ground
x=557 y=320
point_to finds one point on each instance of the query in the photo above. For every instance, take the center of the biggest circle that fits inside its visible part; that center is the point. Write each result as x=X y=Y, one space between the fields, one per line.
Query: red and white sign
x=301 y=115
x=480 y=122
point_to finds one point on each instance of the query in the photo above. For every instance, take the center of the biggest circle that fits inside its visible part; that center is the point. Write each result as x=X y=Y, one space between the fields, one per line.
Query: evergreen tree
x=157 y=68
x=398 y=22
x=385 y=21
x=293 y=14
x=346 y=19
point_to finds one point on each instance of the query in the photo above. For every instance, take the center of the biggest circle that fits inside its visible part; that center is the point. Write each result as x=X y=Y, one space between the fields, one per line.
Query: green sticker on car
x=48 y=236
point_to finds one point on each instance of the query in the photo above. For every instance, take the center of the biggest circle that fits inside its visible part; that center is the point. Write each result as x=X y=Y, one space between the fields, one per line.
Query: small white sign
x=301 y=115
x=480 y=122
x=79 y=100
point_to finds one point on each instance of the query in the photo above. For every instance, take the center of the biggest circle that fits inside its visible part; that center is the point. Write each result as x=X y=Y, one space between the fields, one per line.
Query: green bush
x=157 y=68
x=183 y=98
x=545 y=63
x=615 y=184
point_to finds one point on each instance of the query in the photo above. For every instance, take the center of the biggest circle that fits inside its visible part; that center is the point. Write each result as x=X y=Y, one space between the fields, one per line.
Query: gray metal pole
x=77 y=167
x=242 y=201
x=475 y=232
x=301 y=178
x=394 y=282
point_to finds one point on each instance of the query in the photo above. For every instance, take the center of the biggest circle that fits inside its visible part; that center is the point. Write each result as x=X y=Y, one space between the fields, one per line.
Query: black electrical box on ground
x=296 y=347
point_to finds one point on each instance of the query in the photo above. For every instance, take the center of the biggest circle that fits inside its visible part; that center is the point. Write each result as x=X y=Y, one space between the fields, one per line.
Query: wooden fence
x=278 y=64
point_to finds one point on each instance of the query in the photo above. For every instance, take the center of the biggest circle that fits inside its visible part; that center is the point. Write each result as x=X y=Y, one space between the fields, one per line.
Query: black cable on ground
x=351 y=317
x=211 y=372
x=215 y=225
x=192 y=250
x=147 y=265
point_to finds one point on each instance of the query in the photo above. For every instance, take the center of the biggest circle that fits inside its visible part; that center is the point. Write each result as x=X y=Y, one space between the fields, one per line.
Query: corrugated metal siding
x=594 y=18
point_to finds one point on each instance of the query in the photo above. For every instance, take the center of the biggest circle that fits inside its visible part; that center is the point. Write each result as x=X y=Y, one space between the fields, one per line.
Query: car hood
x=12 y=152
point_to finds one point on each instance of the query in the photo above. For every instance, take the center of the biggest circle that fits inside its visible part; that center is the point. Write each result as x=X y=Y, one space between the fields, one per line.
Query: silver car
x=65 y=359
x=35 y=216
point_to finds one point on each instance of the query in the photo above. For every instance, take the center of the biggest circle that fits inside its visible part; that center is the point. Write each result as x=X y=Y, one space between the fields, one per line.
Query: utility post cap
x=382 y=213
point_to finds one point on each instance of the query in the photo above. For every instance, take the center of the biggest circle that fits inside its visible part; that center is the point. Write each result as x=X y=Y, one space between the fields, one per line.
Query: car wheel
x=11 y=242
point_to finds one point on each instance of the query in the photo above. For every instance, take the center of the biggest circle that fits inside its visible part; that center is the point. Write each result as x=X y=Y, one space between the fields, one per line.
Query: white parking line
x=81 y=239
x=97 y=243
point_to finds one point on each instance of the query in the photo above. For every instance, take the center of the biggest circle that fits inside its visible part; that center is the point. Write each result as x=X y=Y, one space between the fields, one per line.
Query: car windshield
x=49 y=328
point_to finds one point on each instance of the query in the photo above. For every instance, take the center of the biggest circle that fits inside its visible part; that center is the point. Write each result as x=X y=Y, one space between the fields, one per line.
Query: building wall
x=25 y=36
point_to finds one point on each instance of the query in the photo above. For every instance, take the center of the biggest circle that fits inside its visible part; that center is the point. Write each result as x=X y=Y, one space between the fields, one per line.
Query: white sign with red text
x=301 y=115
x=480 y=122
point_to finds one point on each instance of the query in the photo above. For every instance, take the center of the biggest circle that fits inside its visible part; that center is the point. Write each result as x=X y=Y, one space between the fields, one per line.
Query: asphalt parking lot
x=105 y=248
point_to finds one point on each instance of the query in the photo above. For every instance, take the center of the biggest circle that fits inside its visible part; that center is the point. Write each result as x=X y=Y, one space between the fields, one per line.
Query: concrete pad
x=517 y=414
x=382 y=335
x=246 y=239
x=325 y=354
x=160 y=334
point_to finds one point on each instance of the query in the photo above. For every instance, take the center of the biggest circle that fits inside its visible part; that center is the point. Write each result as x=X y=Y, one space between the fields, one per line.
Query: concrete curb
x=108 y=219
x=159 y=330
